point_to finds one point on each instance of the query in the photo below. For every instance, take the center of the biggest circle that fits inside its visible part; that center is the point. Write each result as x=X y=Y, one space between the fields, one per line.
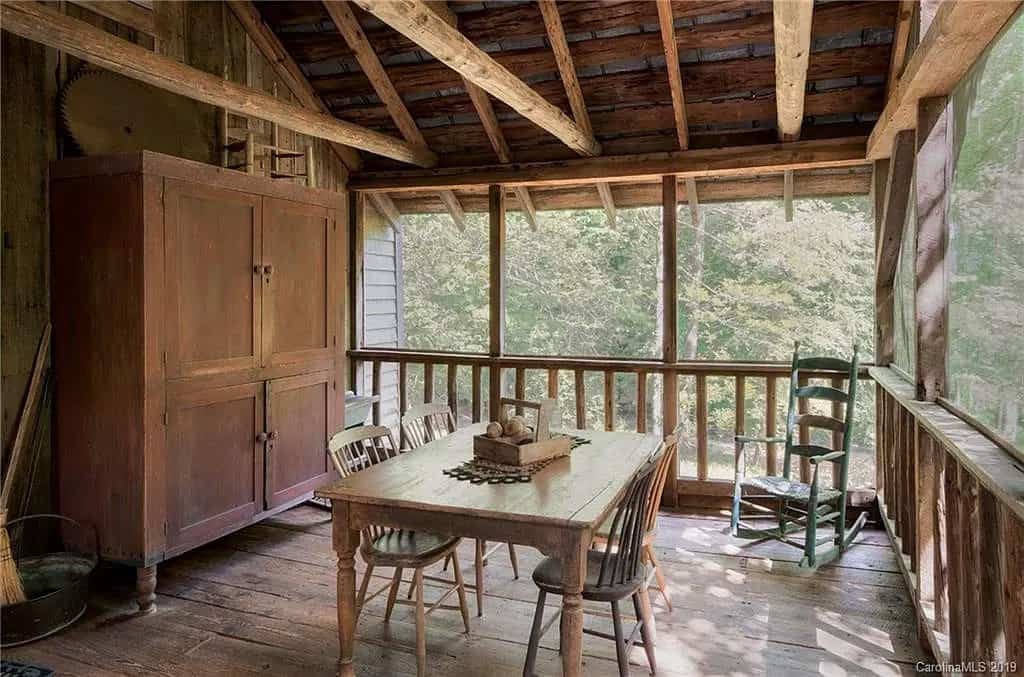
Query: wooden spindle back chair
x=426 y=423
x=613 y=574
x=802 y=505
x=355 y=450
x=429 y=422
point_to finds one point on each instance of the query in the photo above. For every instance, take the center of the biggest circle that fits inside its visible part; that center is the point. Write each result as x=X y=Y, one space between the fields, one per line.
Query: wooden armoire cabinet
x=198 y=349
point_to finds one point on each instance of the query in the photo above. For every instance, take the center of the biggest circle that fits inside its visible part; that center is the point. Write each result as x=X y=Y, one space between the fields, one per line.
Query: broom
x=11 y=589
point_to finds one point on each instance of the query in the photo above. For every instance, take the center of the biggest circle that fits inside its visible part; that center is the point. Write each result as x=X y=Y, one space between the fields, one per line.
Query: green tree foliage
x=578 y=287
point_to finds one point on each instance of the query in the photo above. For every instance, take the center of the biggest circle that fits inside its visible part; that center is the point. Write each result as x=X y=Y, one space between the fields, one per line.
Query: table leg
x=574 y=572
x=346 y=541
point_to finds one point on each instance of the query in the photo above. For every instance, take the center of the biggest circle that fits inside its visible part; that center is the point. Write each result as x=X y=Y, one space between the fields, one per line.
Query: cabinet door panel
x=213 y=241
x=298 y=243
x=214 y=461
x=301 y=416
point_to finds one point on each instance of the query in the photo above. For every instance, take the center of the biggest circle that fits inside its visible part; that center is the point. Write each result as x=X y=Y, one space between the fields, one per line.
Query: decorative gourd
x=494 y=430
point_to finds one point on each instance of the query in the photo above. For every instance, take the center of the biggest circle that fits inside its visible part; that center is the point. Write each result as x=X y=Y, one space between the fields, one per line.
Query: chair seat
x=790 y=489
x=406 y=547
x=548 y=577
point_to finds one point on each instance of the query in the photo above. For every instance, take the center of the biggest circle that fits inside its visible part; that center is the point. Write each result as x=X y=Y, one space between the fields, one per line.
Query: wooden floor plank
x=263 y=601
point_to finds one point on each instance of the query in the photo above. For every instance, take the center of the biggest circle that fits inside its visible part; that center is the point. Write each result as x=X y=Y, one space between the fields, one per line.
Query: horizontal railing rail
x=667 y=378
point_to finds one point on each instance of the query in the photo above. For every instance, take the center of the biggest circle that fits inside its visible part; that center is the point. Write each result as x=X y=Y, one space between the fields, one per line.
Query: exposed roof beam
x=666 y=20
x=286 y=69
x=583 y=196
x=957 y=36
x=567 y=71
x=485 y=111
x=418 y=22
x=731 y=161
x=383 y=204
x=693 y=200
x=348 y=25
x=792 y=28
x=41 y=24
x=900 y=43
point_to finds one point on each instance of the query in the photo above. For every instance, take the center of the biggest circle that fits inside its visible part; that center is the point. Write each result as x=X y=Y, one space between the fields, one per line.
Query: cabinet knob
x=273 y=434
x=268 y=269
x=261 y=437
x=257 y=269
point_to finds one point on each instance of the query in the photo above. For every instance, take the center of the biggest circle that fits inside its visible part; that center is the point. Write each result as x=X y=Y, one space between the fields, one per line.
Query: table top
x=573 y=491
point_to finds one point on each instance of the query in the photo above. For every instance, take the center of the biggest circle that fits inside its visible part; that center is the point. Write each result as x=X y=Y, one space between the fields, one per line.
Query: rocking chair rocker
x=801 y=505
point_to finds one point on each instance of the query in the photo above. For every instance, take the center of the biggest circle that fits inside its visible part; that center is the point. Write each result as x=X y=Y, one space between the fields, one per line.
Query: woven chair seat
x=790 y=489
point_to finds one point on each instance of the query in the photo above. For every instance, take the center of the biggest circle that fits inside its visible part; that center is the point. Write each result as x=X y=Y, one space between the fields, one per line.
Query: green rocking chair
x=801 y=505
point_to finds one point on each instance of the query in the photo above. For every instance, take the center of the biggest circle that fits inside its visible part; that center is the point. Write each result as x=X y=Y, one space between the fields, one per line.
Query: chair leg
x=810 y=535
x=659 y=575
x=531 y=647
x=396 y=583
x=620 y=643
x=412 y=588
x=447 y=559
x=421 y=621
x=646 y=620
x=362 y=589
x=513 y=560
x=645 y=606
x=479 y=566
x=463 y=607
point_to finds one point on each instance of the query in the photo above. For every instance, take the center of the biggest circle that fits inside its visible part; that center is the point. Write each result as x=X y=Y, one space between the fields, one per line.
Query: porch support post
x=356 y=236
x=496 y=210
x=931 y=297
x=670 y=325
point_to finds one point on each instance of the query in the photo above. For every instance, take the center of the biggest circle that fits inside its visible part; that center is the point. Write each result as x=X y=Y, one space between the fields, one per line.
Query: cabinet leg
x=145 y=589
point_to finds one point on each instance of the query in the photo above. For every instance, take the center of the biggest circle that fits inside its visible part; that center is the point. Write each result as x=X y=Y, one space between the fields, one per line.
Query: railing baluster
x=989 y=572
x=453 y=389
x=740 y=413
x=520 y=392
x=375 y=386
x=494 y=391
x=925 y=509
x=804 y=436
x=403 y=397
x=941 y=559
x=428 y=382
x=955 y=555
x=1012 y=537
x=770 y=405
x=702 y=427
x=970 y=529
x=641 y=402
x=609 y=400
x=581 y=402
x=553 y=383
x=478 y=399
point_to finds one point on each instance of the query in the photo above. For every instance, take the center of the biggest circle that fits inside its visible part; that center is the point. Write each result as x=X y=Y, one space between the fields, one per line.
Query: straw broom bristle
x=11 y=589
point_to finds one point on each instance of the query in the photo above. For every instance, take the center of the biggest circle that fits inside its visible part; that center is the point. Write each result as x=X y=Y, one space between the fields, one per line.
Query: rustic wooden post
x=1012 y=554
x=931 y=295
x=669 y=323
x=890 y=229
x=356 y=235
x=496 y=210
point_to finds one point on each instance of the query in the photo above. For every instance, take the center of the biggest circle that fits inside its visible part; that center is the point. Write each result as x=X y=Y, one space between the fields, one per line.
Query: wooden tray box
x=520 y=450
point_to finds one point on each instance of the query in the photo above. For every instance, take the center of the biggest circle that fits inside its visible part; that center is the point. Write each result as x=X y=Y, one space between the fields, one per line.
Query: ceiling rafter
x=418 y=22
x=666 y=21
x=792 y=20
x=348 y=25
x=578 y=106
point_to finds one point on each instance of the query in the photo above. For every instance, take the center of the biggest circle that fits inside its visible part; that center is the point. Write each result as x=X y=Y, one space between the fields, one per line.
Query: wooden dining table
x=557 y=512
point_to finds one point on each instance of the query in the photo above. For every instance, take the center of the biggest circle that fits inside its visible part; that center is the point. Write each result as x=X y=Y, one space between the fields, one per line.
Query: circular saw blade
x=108 y=113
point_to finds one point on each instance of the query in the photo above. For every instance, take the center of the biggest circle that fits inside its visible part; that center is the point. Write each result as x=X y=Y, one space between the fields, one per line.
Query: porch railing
x=666 y=377
x=953 y=503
